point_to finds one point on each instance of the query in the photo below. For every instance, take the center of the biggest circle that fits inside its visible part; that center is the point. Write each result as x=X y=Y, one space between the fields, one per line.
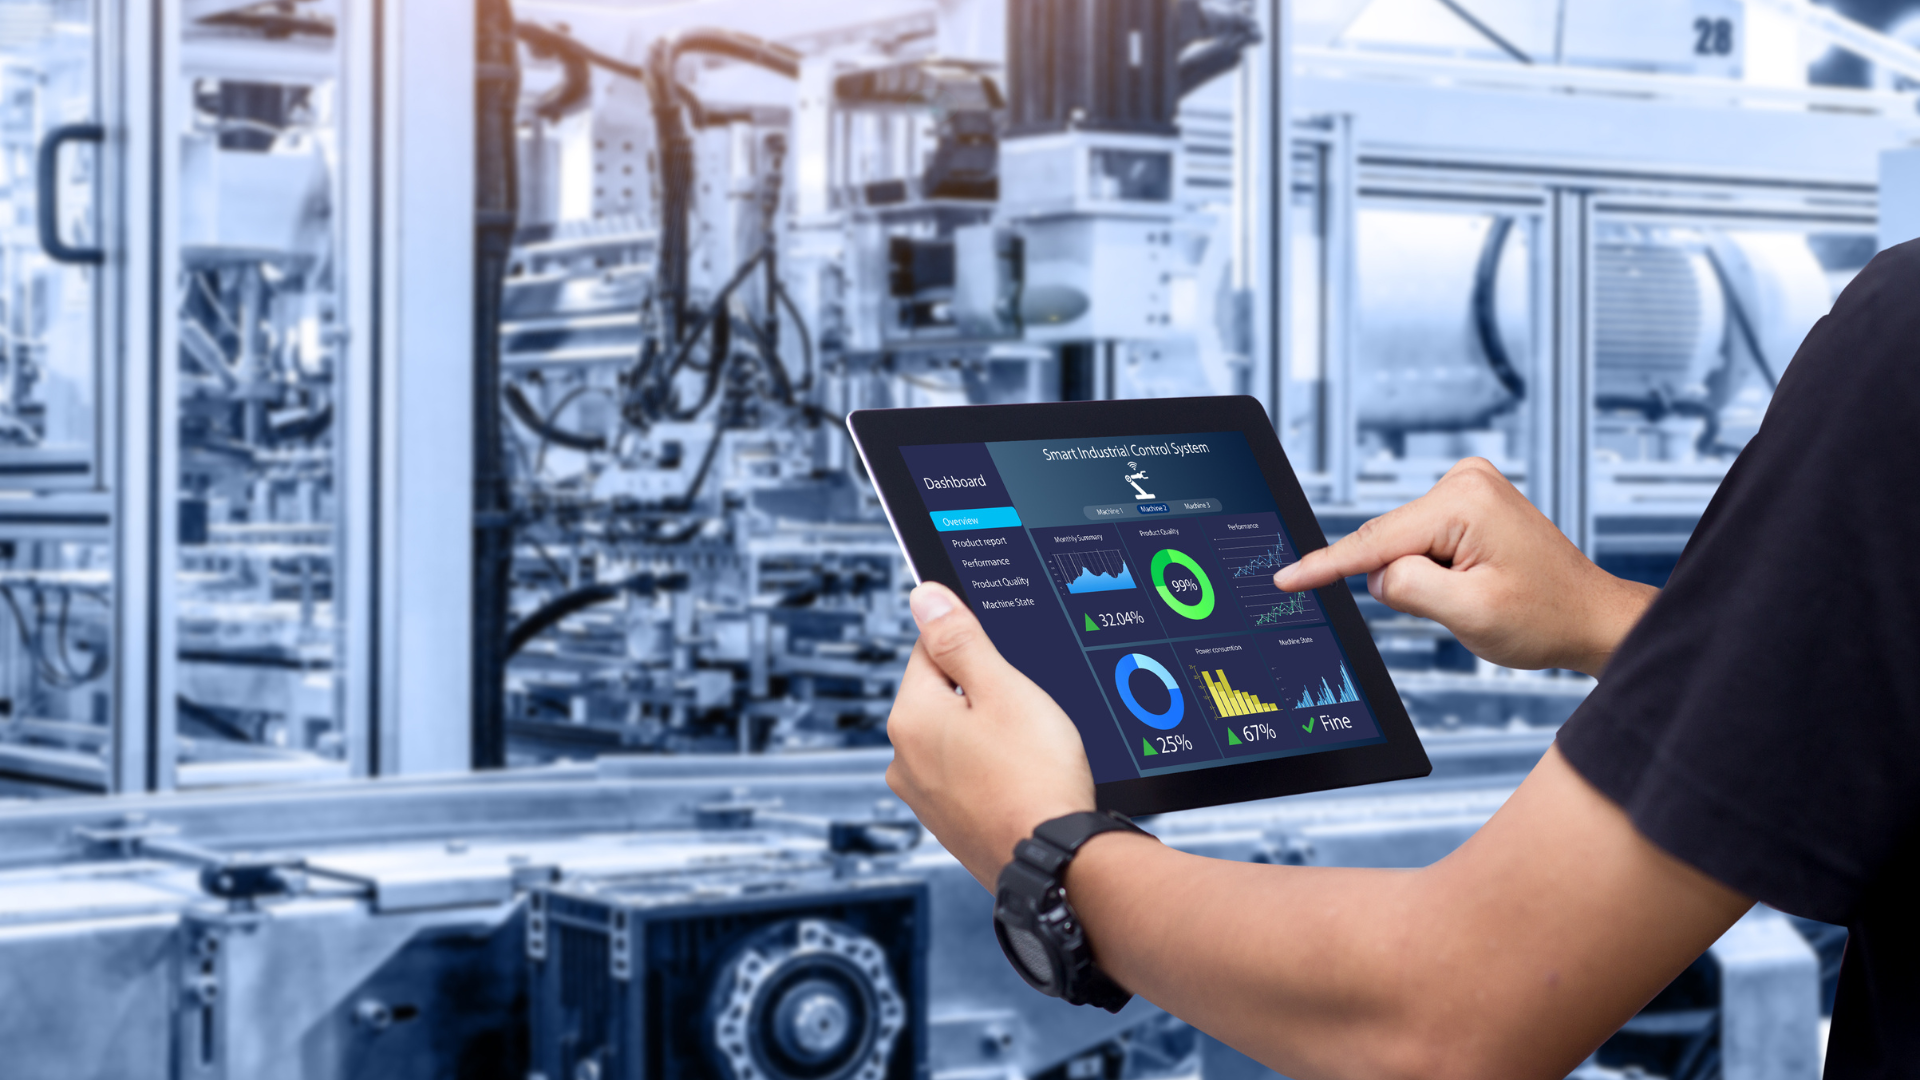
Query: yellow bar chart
x=1230 y=702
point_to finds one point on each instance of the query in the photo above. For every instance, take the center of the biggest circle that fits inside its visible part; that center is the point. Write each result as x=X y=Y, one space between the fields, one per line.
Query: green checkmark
x=1308 y=726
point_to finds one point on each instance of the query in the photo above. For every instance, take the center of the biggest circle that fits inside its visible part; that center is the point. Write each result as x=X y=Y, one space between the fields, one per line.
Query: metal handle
x=56 y=248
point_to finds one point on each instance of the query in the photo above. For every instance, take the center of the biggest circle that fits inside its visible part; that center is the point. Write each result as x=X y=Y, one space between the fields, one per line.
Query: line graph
x=1250 y=567
x=1294 y=604
x=1267 y=561
x=1093 y=571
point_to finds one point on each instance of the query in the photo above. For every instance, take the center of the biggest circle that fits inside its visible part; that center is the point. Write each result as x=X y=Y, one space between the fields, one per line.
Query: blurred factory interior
x=447 y=632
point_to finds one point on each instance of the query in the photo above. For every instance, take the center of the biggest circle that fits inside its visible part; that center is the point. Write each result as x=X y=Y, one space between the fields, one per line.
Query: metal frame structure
x=1574 y=148
x=403 y=224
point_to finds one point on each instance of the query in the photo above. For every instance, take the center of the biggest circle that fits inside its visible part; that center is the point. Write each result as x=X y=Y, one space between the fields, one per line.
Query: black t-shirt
x=1762 y=723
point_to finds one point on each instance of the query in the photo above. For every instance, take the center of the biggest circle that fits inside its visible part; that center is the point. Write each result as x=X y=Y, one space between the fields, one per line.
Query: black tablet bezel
x=880 y=433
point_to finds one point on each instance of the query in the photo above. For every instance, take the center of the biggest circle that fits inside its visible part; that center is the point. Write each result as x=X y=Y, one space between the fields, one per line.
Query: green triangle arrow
x=1090 y=625
x=1232 y=739
x=1151 y=752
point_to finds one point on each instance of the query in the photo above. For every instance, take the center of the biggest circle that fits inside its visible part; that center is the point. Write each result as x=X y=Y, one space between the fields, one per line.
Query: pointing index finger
x=1408 y=530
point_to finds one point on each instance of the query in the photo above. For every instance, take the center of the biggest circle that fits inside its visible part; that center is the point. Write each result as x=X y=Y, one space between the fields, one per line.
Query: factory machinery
x=777 y=917
x=779 y=235
x=724 y=242
x=1581 y=239
x=702 y=246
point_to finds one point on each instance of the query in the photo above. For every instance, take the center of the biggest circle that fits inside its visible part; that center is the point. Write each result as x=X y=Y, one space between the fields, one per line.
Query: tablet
x=1121 y=554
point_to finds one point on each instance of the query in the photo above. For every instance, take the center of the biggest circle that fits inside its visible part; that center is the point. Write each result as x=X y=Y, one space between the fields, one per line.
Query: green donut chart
x=1196 y=611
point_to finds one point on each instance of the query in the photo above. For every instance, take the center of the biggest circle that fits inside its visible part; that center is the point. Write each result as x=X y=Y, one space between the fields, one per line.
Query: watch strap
x=1069 y=833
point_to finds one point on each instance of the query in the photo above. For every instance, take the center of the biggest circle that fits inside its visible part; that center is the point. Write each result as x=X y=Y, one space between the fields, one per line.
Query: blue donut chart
x=1176 y=708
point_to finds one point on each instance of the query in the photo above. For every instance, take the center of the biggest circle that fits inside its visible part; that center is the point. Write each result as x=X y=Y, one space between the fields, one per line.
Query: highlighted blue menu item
x=993 y=517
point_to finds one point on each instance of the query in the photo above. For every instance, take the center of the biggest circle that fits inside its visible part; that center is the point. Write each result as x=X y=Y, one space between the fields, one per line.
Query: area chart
x=1329 y=695
x=1093 y=571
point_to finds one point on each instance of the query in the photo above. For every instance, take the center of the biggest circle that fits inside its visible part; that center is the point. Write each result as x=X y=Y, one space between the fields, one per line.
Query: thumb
x=1417 y=585
x=954 y=639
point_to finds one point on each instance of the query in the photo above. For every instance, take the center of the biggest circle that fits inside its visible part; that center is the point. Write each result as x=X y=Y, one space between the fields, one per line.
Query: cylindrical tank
x=1659 y=319
x=1445 y=322
x=1098 y=65
x=1420 y=359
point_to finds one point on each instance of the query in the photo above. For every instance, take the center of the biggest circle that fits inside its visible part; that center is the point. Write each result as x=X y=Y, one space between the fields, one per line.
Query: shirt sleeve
x=1762 y=722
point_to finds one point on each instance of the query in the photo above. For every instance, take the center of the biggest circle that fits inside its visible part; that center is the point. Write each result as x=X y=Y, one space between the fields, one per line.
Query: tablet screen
x=1133 y=580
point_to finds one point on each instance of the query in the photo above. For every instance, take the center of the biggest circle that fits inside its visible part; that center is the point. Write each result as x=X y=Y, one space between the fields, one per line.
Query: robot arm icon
x=1134 y=478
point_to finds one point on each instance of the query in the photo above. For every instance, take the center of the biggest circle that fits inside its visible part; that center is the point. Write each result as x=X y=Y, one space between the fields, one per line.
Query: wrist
x=1035 y=920
x=1090 y=867
x=1618 y=608
x=1021 y=825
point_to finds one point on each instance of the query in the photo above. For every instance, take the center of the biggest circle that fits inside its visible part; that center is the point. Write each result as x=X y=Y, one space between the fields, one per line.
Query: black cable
x=715 y=368
x=1486 y=315
x=576 y=83
x=523 y=411
x=33 y=638
x=308 y=429
x=60 y=639
x=667 y=369
x=684 y=501
x=735 y=45
x=547 y=615
x=27 y=637
x=496 y=201
x=203 y=714
x=552 y=565
x=713 y=311
x=806 y=336
x=717 y=360
x=545 y=41
x=550 y=613
x=770 y=353
x=674 y=147
x=1740 y=320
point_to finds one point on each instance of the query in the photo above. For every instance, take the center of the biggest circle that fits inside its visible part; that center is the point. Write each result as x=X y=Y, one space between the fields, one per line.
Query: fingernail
x=929 y=602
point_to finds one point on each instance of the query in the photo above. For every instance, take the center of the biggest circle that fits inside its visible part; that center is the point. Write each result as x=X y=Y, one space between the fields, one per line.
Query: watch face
x=1028 y=953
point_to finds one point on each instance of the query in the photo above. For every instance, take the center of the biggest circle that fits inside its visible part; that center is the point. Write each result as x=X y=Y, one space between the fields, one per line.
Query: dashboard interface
x=1132 y=579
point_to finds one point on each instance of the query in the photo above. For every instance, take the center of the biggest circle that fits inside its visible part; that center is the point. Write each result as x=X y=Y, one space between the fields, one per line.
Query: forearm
x=1514 y=956
x=1302 y=967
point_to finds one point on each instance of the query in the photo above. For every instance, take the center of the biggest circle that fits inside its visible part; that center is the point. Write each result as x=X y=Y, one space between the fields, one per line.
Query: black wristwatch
x=1037 y=927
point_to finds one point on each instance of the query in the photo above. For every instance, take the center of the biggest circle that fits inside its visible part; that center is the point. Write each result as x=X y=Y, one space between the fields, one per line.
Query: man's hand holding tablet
x=1120 y=557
